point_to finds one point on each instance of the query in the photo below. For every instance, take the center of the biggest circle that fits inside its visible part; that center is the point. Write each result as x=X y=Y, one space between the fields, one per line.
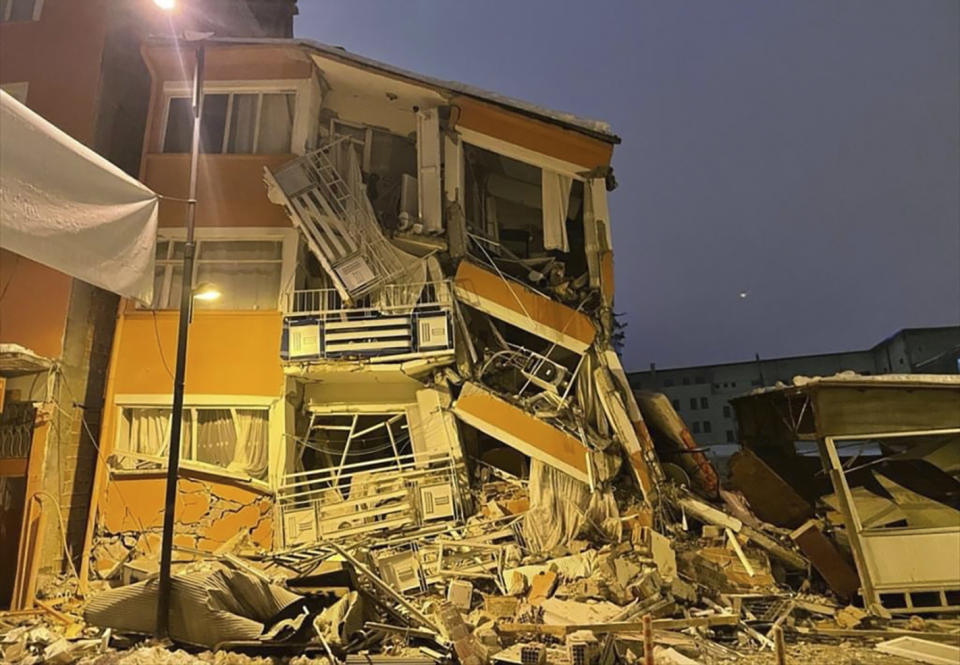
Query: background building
x=77 y=64
x=702 y=394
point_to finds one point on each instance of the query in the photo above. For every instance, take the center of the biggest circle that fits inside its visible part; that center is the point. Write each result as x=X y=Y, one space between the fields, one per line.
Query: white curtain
x=276 y=123
x=556 y=204
x=562 y=508
x=148 y=431
x=252 y=451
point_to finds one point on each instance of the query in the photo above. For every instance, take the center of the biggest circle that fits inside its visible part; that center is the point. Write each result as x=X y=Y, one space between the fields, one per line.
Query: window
x=235 y=122
x=696 y=427
x=699 y=379
x=234 y=439
x=726 y=411
x=676 y=404
x=704 y=403
x=17 y=90
x=20 y=10
x=246 y=272
x=733 y=384
x=686 y=380
x=667 y=383
x=729 y=436
x=707 y=427
x=693 y=403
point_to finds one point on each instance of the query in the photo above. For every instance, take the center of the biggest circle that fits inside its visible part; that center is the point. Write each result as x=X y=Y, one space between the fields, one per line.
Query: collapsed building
x=406 y=428
x=442 y=259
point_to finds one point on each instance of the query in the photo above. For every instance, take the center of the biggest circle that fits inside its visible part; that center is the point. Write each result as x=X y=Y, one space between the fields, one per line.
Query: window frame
x=287 y=261
x=299 y=88
x=37 y=9
x=17 y=89
x=193 y=403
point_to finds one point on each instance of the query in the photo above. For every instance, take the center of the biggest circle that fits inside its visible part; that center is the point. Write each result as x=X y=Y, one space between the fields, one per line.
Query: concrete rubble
x=523 y=506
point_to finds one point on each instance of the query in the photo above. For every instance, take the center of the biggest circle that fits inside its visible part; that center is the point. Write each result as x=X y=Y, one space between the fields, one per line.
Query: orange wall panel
x=230 y=189
x=228 y=353
x=207 y=513
x=59 y=56
x=33 y=308
x=532 y=134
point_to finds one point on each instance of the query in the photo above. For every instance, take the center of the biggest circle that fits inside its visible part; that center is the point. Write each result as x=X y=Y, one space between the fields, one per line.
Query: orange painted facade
x=63 y=82
x=230 y=190
x=25 y=285
x=536 y=135
x=62 y=87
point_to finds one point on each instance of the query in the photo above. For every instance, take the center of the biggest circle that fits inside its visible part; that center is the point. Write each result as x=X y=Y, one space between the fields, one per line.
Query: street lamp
x=187 y=294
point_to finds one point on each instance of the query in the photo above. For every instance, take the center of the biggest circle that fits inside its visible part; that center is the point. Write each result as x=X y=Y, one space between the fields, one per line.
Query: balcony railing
x=397 y=320
x=389 y=299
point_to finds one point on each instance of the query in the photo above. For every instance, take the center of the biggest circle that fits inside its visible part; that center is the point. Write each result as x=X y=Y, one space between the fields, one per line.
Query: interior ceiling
x=358 y=82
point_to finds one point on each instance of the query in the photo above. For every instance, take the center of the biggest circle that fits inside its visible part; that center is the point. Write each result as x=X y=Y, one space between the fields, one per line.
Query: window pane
x=158 y=275
x=241 y=285
x=162 y=248
x=22 y=10
x=276 y=123
x=179 y=126
x=172 y=300
x=243 y=123
x=213 y=123
x=240 y=250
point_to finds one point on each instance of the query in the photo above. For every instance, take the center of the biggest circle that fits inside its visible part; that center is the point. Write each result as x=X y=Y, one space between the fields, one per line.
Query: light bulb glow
x=165 y=5
x=206 y=292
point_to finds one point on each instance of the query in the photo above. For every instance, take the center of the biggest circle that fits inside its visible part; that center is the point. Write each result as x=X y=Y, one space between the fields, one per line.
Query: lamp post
x=186 y=302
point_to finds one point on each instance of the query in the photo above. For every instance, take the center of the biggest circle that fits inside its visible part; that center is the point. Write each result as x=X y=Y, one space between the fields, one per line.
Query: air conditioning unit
x=401 y=571
x=299 y=526
x=354 y=273
x=433 y=332
x=303 y=340
x=436 y=501
x=545 y=373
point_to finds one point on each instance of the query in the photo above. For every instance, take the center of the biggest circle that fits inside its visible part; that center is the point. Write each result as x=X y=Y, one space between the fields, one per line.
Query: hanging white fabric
x=556 y=203
x=65 y=206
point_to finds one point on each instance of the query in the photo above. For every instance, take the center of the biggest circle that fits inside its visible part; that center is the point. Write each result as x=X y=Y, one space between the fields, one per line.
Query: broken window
x=360 y=472
x=257 y=122
x=234 y=439
x=247 y=273
x=529 y=212
x=342 y=441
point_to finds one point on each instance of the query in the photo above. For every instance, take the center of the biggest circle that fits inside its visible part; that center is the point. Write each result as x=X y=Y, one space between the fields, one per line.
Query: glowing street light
x=206 y=292
x=203 y=292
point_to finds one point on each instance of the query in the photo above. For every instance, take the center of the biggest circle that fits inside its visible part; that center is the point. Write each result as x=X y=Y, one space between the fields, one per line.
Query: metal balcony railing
x=389 y=300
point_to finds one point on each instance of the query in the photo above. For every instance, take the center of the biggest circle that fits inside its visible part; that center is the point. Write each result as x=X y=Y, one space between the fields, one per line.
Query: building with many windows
x=77 y=63
x=701 y=394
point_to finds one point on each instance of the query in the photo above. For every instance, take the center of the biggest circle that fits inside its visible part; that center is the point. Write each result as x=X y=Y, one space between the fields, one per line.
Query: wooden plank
x=34 y=518
x=826 y=558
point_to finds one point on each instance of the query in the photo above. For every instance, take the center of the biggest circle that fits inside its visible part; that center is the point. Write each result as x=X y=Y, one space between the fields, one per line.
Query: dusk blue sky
x=806 y=152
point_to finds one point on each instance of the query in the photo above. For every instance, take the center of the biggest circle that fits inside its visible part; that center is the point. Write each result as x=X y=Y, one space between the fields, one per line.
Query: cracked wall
x=209 y=514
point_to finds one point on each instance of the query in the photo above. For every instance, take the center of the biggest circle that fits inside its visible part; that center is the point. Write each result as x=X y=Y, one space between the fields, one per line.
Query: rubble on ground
x=480 y=595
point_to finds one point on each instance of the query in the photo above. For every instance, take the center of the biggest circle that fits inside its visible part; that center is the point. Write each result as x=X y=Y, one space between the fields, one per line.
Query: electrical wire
x=156 y=332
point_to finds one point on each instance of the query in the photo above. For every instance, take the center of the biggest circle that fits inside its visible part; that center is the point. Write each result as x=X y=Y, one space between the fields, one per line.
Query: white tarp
x=65 y=206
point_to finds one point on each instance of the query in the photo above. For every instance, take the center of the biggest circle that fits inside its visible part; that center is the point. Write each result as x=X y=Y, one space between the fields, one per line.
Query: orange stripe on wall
x=525 y=302
x=533 y=134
